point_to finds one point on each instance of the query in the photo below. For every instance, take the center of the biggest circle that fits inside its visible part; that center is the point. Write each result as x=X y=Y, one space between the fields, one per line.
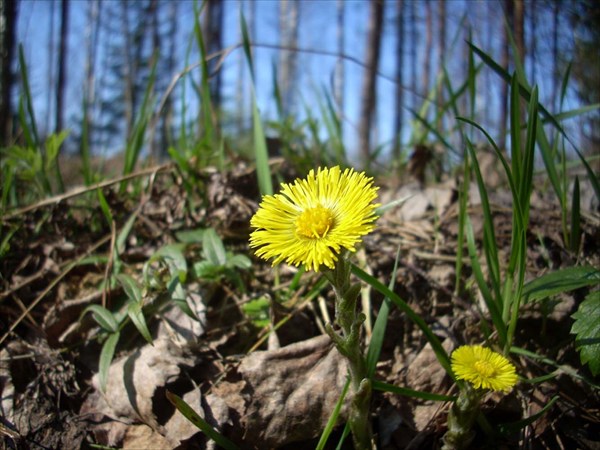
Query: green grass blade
x=513 y=427
x=135 y=313
x=333 y=418
x=199 y=422
x=247 y=45
x=528 y=161
x=263 y=171
x=431 y=128
x=492 y=306
x=489 y=235
x=106 y=356
x=575 y=112
x=559 y=281
x=31 y=126
x=435 y=343
x=406 y=392
x=104 y=207
x=103 y=317
x=515 y=129
x=261 y=154
x=575 y=219
x=378 y=333
x=86 y=166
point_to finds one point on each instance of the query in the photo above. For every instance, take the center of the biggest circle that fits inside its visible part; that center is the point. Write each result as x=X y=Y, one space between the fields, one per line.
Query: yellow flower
x=311 y=220
x=483 y=368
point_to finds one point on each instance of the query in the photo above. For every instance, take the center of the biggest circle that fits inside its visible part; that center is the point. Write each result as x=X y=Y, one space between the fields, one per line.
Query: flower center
x=314 y=222
x=485 y=369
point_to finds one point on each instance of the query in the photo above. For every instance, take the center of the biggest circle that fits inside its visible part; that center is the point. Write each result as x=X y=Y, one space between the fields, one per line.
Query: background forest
x=378 y=64
x=451 y=150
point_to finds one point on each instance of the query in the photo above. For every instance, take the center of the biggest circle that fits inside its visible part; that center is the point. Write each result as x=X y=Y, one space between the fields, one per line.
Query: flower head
x=311 y=220
x=483 y=368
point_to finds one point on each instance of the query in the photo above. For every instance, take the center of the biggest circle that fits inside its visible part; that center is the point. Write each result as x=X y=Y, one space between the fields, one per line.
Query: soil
x=269 y=390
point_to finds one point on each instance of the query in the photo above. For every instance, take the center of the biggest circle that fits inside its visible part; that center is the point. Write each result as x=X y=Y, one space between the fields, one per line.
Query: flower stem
x=461 y=419
x=348 y=344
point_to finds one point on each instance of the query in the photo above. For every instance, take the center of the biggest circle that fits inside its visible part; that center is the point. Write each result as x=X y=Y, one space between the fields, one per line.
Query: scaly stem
x=461 y=419
x=348 y=344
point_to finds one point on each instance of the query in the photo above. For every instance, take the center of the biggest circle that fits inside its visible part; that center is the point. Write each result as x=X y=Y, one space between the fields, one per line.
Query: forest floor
x=276 y=392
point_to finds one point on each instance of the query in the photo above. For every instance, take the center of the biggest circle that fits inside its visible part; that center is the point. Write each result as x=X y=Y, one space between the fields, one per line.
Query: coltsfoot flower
x=312 y=220
x=483 y=368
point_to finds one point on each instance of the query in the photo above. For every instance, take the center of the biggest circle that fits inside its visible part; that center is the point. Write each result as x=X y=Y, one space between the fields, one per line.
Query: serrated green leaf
x=103 y=317
x=587 y=329
x=106 y=357
x=131 y=288
x=134 y=310
x=563 y=280
x=213 y=248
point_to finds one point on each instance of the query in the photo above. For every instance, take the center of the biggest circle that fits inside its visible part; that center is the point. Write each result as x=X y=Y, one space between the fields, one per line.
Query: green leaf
x=131 y=288
x=207 y=270
x=563 y=280
x=587 y=329
x=134 y=310
x=199 y=422
x=172 y=255
x=239 y=261
x=257 y=311
x=106 y=357
x=103 y=317
x=190 y=236
x=213 y=248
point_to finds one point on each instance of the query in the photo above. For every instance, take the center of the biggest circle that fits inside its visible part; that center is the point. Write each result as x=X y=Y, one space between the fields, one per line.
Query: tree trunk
x=288 y=26
x=8 y=22
x=399 y=107
x=533 y=38
x=519 y=28
x=172 y=45
x=128 y=71
x=61 y=82
x=504 y=60
x=51 y=55
x=369 y=84
x=213 y=29
x=61 y=76
x=442 y=54
x=428 y=47
x=555 y=56
x=89 y=89
x=414 y=63
x=339 y=65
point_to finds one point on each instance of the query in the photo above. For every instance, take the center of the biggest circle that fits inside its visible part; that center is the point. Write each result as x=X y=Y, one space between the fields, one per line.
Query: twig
x=82 y=190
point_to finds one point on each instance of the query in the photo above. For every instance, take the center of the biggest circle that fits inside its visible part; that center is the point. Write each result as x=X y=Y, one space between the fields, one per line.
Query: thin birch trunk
x=369 y=85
